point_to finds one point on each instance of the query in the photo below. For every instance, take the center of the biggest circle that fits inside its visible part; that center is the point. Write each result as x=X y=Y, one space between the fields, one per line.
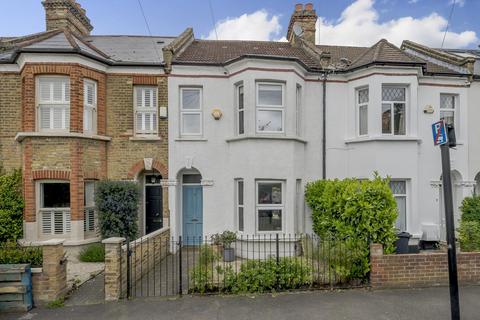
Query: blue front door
x=192 y=214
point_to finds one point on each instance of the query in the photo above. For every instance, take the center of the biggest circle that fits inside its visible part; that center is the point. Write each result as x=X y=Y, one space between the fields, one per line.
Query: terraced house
x=224 y=135
x=76 y=108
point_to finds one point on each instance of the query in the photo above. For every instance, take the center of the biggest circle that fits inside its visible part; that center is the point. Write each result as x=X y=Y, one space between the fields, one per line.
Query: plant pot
x=228 y=254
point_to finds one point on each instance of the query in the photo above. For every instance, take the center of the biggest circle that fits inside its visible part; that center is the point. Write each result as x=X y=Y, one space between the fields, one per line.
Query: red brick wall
x=420 y=270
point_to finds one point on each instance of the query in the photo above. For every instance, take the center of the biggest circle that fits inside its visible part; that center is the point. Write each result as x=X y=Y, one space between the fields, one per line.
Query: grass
x=57 y=303
x=93 y=253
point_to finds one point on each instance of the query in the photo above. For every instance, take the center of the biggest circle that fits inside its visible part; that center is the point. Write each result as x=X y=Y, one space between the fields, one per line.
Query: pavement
x=425 y=304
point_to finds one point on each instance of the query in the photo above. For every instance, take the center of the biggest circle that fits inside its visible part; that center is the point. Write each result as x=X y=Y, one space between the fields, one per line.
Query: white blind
x=146 y=110
x=89 y=106
x=55 y=221
x=53 y=103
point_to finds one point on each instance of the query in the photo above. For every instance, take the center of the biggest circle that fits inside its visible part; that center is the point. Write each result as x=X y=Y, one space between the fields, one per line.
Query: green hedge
x=469 y=230
x=93 y=253
x=11 y=206
x=10 y=253
x=354 y=213
x=117 y=207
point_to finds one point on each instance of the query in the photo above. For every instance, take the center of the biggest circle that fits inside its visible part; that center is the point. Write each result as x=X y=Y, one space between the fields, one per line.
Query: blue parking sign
x=439 y=133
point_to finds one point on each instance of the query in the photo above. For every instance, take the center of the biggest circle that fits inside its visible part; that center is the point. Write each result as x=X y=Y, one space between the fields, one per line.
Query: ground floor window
x=270 y=205
x=399 y=190
x=54 y=207
x=89 y=207
x=240 y=207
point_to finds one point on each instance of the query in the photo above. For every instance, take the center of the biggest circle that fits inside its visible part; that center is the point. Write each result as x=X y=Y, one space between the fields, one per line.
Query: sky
x=341 y=22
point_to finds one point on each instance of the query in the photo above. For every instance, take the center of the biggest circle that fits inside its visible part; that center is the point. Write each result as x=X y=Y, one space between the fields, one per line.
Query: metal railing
x=251 y=264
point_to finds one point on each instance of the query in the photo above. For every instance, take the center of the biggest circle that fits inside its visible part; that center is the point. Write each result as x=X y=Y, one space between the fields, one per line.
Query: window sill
x=190 y=139
x=22 y=135
x=265 y=137
x=383 y=138
x=145 y=138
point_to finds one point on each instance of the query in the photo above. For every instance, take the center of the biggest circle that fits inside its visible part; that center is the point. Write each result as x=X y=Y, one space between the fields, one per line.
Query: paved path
x=425 y=304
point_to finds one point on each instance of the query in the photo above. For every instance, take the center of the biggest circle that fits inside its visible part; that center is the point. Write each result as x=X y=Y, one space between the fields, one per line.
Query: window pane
x=447 y=116
x=270 y=95
x=240 y=97
x=191 y=99
x=89 y=198
x=269 y=220
x=363 y=120
x=240 y=192
x=386 y=118
x=400 y=224
x=270 y=193
x=268 y=120
x=55 y=195
x=363 y=96
x=399 y=118
x=241 y=122
x=191 y=123
x=447 y=101
x=240 y=219
x=393 y=94
x=398 y=187
x=192 y=178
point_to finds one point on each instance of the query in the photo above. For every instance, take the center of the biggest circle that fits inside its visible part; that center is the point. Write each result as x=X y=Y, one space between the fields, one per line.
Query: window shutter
x=46 y=222
x=154 y=97
x=44 y=91
x=58 y=120
x=148 y=98
x=58 y=90
x=58 y=222
x=68 y=225
x=45 y=115
x=140 y=121
x=138 y=97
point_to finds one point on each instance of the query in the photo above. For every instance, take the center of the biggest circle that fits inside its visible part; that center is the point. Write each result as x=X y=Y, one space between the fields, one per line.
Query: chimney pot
x=309 y=6
x=305 y=17
x=66 y=15
x=298 y=7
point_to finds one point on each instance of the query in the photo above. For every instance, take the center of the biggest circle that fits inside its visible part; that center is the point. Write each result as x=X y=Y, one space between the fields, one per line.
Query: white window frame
x=298 y=109
x=360 y=105
x=454 y=110
x=239 y=206
x=90 y=214
x=143 y=109
x=198 y=111
x=402 y=195
x=240 y=110
x=45 y=211
x=260 y=107
x=64 y=104
x=259 y=206
x=392 y=113
x=90 y=107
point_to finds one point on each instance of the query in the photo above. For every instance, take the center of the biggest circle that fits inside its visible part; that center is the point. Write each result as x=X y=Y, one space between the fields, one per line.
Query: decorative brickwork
x=419 y=270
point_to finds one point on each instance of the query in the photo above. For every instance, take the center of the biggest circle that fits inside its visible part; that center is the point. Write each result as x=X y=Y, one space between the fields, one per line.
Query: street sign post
x=440 y=137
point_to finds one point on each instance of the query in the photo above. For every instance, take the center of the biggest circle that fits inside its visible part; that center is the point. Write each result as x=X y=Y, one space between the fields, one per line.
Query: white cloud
x=359 y=25
x=255 y=26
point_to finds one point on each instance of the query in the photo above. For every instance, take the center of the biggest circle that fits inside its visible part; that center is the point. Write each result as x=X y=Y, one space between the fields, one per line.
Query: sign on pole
x=439 y=133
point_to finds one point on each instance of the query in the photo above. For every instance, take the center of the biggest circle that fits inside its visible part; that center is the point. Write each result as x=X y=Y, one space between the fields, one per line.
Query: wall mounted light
x=216 y=114
x=428 y=109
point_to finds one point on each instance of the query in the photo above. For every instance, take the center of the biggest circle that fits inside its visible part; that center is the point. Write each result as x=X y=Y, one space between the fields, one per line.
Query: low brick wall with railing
x=146 y=253
x=420 y=270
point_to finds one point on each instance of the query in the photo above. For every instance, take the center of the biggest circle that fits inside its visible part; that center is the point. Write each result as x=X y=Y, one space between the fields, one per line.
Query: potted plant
x=227 y=238
x=216 y=242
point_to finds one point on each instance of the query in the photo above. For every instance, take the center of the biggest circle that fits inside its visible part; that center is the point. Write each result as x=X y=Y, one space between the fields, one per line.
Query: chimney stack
x=306 y=18
x=67 y=15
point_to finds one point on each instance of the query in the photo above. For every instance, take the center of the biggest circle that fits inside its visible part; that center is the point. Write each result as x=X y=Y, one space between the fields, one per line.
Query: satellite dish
x=297 y=29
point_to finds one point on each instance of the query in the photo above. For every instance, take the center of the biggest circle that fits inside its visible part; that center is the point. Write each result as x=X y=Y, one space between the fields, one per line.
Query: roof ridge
x=378 y=48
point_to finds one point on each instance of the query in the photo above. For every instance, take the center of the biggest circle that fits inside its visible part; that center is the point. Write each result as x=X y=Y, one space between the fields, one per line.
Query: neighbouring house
x=76 y=108
x=251 y=122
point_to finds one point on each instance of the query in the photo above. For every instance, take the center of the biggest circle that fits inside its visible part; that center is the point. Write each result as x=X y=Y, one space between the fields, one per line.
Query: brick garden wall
x=420 y=270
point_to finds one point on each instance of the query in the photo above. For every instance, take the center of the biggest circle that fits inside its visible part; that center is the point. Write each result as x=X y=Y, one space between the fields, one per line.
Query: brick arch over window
x=140 y=166
x=51 y=174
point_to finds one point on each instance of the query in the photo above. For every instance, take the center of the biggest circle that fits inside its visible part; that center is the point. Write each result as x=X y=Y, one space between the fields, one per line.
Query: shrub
x=257 y=276
x=11 y=206
x=10 y=253
x=471 y=208
x=201 y=276
x=117 y=205
x=93 y=253
x=354 y=213
x=469 y=235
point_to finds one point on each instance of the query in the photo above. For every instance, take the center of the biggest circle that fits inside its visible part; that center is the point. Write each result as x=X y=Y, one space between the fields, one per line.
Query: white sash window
x=145 y=110
x=53 y=103
x=89 y=107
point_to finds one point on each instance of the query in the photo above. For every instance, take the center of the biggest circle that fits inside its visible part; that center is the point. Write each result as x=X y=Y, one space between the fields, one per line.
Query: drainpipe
x=324 y=124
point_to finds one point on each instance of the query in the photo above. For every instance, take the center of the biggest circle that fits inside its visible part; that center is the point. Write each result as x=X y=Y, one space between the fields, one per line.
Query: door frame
x=181 y=201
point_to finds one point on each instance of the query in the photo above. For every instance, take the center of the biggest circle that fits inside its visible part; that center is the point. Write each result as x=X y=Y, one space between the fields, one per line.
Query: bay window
x=240 y=205
x=54 y=207
x=393 y=110
x=53 y=103
x=448 y=107
x=240 y=110
x=362 y=111
x=270 y=205
x=145 y=98
x=89 y=206
x=191 y=111
x=89 y=106
x=270 y=108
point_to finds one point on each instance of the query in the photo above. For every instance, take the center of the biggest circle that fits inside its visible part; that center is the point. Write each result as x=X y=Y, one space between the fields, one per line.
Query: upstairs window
x=448 y=107
x=298 y=109
x=53 y=103
x=145 y=110
x=362 y=111
x=240 y=110
x=191 y=111
x=393 y=110
x=89 y=106
x=270 y=108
